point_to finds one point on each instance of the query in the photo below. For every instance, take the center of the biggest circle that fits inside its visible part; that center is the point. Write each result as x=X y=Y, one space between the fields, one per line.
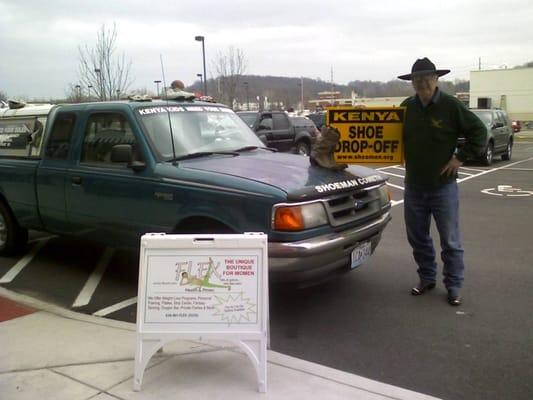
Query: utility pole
x=157 y=82
x=302 y=93
x=202 y=39
x=479 y=64
x=201 y=82
x=98 y=73
x=332 y=88
x=247 y=101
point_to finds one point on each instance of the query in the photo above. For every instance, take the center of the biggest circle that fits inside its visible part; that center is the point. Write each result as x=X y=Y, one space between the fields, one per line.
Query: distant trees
x=3 y=96
x=397 y=88
x=286 y=91
x=229 y=67
x=101 y=70
x=526 y=65
x=74 y=94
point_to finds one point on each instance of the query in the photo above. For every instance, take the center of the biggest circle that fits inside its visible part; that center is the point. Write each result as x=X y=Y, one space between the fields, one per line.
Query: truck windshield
x=195 y=129
x=485 y=116
x=248 y=118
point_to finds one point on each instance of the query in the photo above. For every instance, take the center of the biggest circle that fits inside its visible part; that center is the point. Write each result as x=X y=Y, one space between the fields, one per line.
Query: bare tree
x=101 y=69
x=229 y=68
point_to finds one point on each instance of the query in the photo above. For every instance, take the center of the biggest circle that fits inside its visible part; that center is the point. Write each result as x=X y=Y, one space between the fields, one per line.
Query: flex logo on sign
x=368 y=135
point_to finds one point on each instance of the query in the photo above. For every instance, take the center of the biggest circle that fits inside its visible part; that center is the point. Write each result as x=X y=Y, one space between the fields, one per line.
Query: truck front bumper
x=316 y=258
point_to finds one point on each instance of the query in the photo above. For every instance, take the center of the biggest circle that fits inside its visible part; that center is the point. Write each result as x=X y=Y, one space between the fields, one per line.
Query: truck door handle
x=76 y=180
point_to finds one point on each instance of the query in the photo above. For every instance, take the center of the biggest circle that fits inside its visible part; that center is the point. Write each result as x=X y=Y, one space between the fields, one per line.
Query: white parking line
x=481 y=172
x=395 y=186
x=493 y=170
x=391 y=174
x=92 y=283
x=115 y=307
x=464 y=173
x=398 y=167
x=21 y=264
x=388 y=166
x=473 y=169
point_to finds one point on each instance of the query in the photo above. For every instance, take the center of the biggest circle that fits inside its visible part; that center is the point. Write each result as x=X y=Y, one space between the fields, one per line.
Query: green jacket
x=430 y=137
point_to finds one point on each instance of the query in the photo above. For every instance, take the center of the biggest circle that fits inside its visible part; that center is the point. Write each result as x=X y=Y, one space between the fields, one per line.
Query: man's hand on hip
x=451 y=168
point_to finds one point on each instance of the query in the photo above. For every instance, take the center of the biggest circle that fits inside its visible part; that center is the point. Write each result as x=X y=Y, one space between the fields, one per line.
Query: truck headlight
x=298 y=217
x=384 y=195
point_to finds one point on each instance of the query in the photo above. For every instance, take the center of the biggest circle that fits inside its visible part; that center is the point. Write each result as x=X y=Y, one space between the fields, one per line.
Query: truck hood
x=291 y=173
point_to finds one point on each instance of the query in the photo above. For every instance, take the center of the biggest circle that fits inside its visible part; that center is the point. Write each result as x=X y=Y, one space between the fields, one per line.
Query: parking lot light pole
x=157 y=82
x=201 y=81
x=302 y=93
x=247 y=101
x=78 y=93
x=98 y=72
x=202 y=39
x=89 y=87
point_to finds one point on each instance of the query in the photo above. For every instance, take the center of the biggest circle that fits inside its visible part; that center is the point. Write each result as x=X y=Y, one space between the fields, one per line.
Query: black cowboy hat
x=423 y=66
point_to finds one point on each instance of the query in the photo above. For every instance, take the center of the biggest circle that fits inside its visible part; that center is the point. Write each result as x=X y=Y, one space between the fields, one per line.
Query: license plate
x=360 y=254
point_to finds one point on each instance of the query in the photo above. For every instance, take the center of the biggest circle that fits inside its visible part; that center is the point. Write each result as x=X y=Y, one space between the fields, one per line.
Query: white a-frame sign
x=197 y=287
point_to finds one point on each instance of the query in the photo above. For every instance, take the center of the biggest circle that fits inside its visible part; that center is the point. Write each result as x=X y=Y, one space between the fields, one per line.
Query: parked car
x=517 y=126
x=301 y=123
x=500 y=137
x=112 y=171
x=279 y=131
x=319 y=118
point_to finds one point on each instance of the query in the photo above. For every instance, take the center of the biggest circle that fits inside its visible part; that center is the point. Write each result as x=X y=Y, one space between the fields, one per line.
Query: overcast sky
x=359 y=40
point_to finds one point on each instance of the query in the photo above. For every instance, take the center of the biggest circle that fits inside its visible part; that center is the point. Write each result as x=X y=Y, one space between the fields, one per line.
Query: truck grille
x=352 y=206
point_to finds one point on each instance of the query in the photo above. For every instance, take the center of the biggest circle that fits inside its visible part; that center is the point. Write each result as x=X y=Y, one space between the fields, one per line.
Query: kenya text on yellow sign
x=368 y=135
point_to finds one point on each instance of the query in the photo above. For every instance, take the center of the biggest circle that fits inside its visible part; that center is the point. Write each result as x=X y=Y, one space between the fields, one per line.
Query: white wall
x=509 y=89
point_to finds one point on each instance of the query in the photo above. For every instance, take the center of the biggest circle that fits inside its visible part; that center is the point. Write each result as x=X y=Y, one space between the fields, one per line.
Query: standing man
x=433 y=122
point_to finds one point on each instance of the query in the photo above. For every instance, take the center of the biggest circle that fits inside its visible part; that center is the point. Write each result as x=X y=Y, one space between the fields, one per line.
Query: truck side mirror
x=123 y=153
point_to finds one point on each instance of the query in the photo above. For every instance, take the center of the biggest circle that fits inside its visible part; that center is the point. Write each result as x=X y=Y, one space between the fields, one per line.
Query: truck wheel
x=509 y=151
x=489 y=154
x=12 y=236
x=302 y=148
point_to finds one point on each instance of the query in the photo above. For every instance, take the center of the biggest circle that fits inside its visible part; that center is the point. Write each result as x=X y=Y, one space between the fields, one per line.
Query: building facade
x=508 y=89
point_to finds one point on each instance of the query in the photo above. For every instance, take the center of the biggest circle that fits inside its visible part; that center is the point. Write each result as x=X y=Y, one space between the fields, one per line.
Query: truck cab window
x=266 y=122
x=18 y=136
x=103 y=131
x=59 y=141
x=281 y=121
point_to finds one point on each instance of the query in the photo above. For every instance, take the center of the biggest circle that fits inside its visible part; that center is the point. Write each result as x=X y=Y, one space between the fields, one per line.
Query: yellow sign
x=369 y=134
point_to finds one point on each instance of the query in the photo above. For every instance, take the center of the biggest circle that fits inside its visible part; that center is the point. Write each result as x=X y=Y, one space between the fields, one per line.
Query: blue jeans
x=443 y=204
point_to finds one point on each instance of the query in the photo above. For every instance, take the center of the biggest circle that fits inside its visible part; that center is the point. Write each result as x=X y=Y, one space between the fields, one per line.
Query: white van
x=21 y=129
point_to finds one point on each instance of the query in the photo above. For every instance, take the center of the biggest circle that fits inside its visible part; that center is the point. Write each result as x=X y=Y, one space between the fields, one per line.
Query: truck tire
x=509 y=151
x=12 y=236
x=489 y=154
x=302 y=148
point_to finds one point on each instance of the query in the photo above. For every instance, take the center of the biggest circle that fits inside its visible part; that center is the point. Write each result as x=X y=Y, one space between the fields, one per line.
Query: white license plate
x=360 y=254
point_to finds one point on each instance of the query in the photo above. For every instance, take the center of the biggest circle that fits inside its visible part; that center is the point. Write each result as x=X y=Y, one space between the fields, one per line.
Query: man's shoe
x=421 y=288
x=454 y=299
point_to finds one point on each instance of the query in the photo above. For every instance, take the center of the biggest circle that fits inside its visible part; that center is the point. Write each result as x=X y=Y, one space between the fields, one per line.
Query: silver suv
x=500 y=138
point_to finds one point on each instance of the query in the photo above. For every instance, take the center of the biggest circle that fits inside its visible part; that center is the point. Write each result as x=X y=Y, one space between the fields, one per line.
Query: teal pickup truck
x=113 y=171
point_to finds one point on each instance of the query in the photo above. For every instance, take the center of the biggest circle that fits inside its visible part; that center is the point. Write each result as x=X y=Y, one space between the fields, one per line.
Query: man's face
x=425 y=85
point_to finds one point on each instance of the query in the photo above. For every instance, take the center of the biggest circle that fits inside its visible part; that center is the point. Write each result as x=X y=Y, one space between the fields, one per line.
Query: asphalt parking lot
x=366 y=322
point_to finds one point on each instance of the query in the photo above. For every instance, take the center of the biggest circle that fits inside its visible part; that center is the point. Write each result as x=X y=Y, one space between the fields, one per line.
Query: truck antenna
x=168 y=110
